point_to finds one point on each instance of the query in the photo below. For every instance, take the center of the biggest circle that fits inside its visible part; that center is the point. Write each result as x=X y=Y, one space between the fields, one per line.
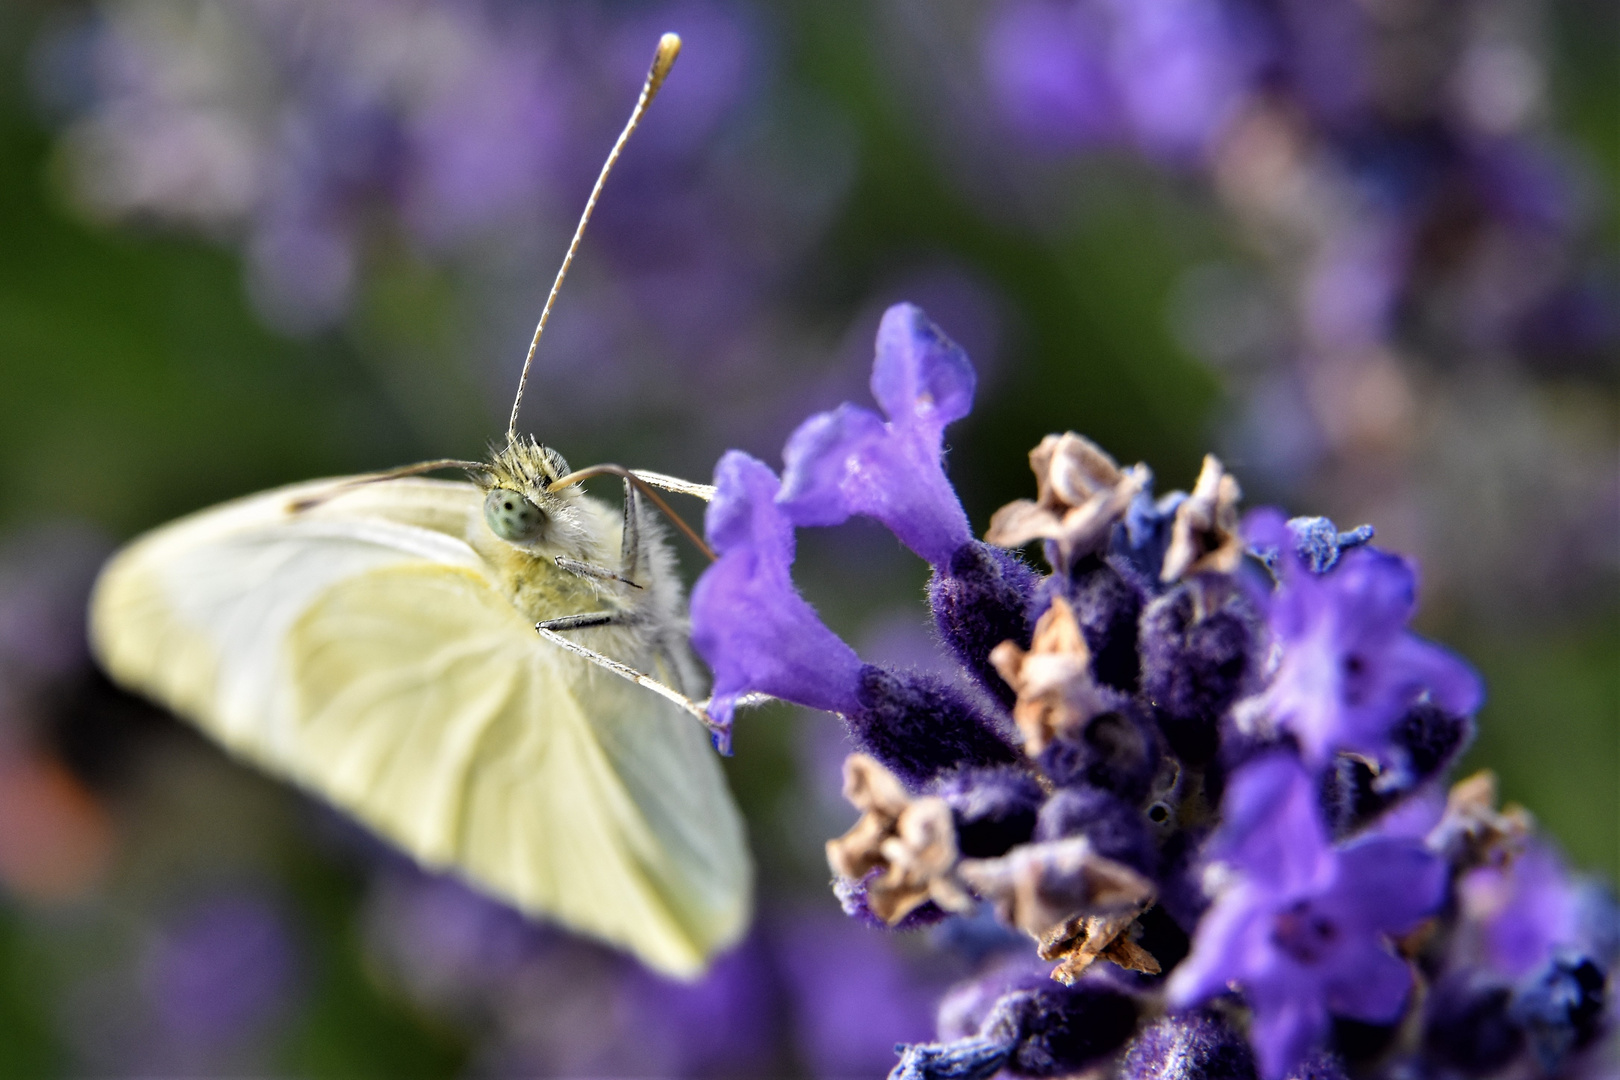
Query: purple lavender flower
x=1047 y=68
x=1518 y=914
x=1349 y=669
x=1302 y=930
x=760 y=636
x=852 y=461
x=223 y=970
x=1166 y=76
x=749 y=622
x=721 y=1024
x=853 y=994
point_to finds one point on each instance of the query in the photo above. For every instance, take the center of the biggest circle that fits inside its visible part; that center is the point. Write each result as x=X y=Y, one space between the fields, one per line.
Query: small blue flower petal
x=1316 y=542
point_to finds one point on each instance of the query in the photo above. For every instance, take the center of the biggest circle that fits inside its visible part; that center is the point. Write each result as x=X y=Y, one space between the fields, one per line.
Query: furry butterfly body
x=375 y=643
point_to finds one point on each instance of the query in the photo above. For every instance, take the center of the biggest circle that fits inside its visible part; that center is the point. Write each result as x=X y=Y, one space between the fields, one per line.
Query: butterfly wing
x=362 y=649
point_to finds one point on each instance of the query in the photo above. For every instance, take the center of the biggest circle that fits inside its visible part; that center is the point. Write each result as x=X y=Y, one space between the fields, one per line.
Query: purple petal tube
x=749 y=623
x=851 y=461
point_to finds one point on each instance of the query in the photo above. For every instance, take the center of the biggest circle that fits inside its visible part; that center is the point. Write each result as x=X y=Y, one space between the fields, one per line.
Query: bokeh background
x=1366 y=250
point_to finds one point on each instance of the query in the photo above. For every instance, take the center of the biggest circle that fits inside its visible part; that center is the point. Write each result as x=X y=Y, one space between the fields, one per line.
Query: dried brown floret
x=912 y=840
x=1080 y=493
x=1043 y=888
x=1473 y=832
x=1204 y=535
x=1057 y=695
x=1083 y=940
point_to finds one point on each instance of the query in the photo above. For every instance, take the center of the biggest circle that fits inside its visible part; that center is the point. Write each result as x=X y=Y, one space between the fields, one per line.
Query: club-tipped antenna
x=669 y=47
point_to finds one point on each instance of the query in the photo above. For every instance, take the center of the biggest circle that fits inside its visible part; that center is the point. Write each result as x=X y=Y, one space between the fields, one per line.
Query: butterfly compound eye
x=513 y=517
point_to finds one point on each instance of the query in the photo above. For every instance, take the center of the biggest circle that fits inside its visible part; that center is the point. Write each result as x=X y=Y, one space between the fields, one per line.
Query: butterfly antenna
x=669 y=47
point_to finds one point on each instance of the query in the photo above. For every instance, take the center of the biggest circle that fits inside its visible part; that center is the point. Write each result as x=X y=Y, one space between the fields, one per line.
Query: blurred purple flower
x=1047 y=67
x=1184 y=68
x=1518 y=914
x=1168 y=76
x=1349 y=669
x=1302 y=930
x=722 y=1024
x=223 y=970
x=854 y=994
x=446 y=942
x=288 y=126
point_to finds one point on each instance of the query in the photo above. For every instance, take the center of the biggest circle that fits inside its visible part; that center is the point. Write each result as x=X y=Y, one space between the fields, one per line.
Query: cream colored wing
x=361 y=650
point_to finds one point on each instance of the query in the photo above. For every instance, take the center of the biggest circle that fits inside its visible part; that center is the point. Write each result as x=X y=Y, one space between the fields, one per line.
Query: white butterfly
x=374 y=639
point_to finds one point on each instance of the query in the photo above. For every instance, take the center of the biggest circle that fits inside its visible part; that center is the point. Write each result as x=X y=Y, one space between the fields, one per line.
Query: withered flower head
x=1080 y=493
x=1057 y=695
x=1473 y=832
x=1085 y=939
x=1204 y=535
x=912 y=840
x=1076 y=903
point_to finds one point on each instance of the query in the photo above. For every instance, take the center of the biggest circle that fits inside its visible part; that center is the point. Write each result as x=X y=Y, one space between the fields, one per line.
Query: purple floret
x=853 y=461
x=1468 y=1025
x=1349 y=668
x=749 y=622
x=1303 y=929
x=1422 y=744
x=1117 y=751
x=1519 y=914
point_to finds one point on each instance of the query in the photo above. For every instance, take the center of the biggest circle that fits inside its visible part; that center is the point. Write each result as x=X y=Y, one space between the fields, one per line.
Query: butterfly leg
x=591 y=570
x=630 y=546
x=625 y=671
x=582 y=622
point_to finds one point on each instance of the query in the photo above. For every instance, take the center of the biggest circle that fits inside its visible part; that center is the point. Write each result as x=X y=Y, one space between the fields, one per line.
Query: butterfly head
x=519 y=506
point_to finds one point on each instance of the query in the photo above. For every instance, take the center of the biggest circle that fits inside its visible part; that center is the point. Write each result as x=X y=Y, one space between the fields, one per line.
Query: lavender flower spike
x=851 y=461
x=749 y=623
x=1302 y=929
x=1349 y=668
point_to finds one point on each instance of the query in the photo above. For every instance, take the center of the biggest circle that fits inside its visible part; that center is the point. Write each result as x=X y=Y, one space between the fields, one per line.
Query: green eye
x=513 y=517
